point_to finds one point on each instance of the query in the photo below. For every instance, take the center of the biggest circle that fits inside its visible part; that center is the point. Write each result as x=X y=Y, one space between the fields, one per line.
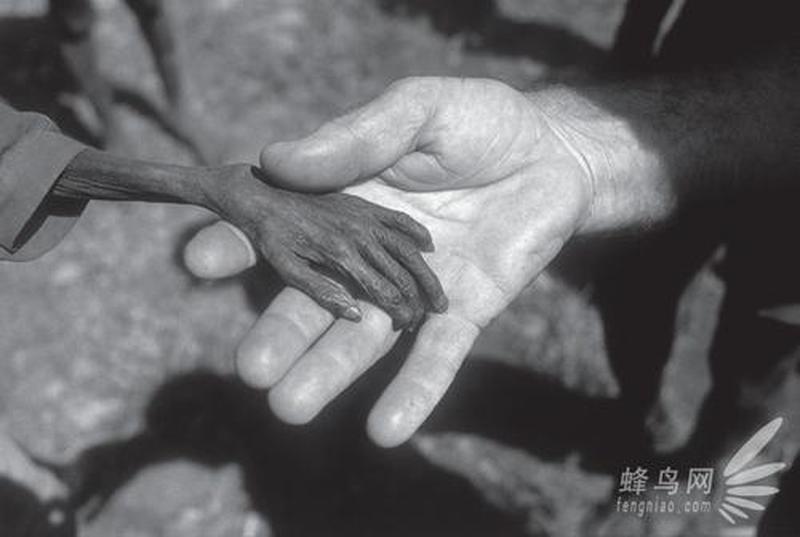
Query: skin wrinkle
x=507 y=155
x=341 y=366
x=400 y=89
x=479 y=170
x=342 y=256
x=430 y=108
x=579 y=157
x=259 y=342
x=398 y=172
x=347 y=127
x=459 y=271
x=291 y=323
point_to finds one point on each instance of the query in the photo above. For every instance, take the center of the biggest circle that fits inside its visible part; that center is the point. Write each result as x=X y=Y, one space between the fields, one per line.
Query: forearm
x=655 y=145
x=96 y=174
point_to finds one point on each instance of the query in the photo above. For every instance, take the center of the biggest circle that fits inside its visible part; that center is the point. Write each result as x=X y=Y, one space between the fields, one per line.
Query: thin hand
x=315 y=240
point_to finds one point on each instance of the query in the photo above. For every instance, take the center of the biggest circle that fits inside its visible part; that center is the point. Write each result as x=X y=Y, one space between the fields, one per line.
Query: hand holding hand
x=314 y=241
x=499 y=187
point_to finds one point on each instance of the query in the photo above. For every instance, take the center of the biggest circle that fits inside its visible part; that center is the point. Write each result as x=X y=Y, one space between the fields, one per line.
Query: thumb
x=358 y=145
x=218 y=251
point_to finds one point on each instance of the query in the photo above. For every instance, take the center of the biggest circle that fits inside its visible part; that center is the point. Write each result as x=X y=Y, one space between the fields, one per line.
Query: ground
x=99 y=338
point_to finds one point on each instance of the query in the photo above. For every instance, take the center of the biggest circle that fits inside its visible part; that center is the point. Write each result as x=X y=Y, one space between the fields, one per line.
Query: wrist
x=624 y=179
x=228 y=191
x=94 y=174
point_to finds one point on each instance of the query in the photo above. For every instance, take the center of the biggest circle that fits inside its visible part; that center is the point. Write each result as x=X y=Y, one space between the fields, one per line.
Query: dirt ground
x=109 y=350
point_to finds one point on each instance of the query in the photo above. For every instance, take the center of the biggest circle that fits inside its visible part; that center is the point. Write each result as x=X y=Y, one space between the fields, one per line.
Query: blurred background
x=115 y=364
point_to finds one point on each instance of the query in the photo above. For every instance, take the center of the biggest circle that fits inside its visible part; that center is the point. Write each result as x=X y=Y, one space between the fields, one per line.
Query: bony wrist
x=218 y=185
x=237 y=194
x=616 y=165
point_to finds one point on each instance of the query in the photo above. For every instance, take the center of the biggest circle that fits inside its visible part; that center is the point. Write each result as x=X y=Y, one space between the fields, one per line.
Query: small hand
x=317 y=242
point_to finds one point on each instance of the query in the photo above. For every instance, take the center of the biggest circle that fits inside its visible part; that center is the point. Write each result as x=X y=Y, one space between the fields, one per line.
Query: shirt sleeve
x=32 y=156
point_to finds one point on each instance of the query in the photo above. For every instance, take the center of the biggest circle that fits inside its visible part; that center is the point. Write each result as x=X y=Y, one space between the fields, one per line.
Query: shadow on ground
x=325 y=478
x=524 y=410
x=22 y=513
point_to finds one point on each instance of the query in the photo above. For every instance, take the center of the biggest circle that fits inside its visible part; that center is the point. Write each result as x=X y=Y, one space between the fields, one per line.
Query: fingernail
x=352 y=313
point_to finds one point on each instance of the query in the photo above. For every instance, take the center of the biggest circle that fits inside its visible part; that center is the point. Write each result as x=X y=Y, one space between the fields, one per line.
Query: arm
x=99 y=175
x=308 y=239
x=502 y=180
x=657 y=144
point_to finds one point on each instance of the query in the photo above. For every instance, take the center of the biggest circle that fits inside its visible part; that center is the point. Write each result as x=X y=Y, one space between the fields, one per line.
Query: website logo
x=646 y=492
x=742 y=486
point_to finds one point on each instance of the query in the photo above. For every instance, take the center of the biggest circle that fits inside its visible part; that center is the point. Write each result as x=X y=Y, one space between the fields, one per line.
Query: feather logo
x=741 y=482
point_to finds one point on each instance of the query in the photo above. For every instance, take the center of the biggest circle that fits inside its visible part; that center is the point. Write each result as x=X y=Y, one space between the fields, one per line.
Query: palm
x=486 y=151
x=484 y=263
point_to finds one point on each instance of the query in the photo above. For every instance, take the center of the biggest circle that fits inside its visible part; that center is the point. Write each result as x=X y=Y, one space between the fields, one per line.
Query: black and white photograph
x=399 y=268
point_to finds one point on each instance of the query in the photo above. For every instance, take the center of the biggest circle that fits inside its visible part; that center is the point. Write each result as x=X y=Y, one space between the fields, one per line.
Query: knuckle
x=408 y=251
x=363 y=235
x=406 y=285
x=371 y=248
x=389 y=295
x=339 y=247
x=407 y=315
x=405 y=84
x=327 y=294
x=384 y=235
x=406 y=221
x=402 y=319
x=413 y=85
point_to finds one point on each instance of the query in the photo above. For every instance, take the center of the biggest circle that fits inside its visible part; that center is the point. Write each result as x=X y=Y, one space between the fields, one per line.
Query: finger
x=416 y=232
x=410 y=258
x=379 y=289
x=331 y=365
x=358 y=145
x=441 y=346
x=327 y=293
x=398 y=275
x=218 y=251
x=286 y=329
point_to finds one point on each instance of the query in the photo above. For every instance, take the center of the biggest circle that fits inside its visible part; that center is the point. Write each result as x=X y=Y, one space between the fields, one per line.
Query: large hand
x=504 y=192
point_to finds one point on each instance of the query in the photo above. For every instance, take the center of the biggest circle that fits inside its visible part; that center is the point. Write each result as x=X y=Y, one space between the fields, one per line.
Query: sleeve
x=32 y=156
